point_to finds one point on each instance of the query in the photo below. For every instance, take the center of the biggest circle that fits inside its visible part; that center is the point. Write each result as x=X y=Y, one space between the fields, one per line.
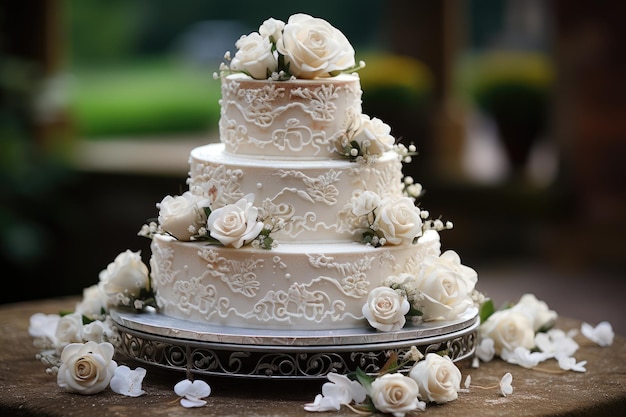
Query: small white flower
x=556 y=341
x=523 y=357
x=339 y=390
x=505 y=384
x=568 y=363
x=128 y=382
x=413 y=354
x=192 y=392
x=602 y=334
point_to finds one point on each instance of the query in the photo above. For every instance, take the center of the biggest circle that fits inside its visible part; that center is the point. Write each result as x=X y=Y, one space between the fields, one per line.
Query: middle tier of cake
x=292 y=286
x=307 y=195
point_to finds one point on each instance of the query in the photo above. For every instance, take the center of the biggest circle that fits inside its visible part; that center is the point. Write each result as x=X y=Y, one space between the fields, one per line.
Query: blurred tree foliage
x=112 y=31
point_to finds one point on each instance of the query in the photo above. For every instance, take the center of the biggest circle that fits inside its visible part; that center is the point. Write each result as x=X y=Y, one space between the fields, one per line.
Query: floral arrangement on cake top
x=305 y=47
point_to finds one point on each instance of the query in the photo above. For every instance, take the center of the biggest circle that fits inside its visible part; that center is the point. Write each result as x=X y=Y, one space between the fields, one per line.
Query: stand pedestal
x=158 y=340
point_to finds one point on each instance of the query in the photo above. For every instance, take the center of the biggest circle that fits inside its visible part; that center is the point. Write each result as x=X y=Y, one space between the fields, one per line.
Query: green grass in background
x=143 y=99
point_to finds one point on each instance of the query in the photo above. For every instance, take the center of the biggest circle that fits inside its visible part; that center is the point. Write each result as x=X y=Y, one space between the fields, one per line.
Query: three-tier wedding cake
x=299 y=227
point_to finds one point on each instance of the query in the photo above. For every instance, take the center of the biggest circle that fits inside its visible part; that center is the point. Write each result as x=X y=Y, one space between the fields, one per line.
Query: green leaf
x=486 y=309
x=364 y=379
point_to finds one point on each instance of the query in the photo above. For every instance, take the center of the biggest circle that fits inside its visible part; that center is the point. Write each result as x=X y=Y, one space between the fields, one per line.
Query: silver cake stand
x=166 y=342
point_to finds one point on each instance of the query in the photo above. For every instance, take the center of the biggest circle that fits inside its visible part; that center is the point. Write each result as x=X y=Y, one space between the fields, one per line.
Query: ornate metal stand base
x=162 y=341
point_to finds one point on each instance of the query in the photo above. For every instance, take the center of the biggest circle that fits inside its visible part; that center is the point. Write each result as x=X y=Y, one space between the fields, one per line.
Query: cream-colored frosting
x=293 y=286
x=279 y=143
x=308 y=195
x=287 y=119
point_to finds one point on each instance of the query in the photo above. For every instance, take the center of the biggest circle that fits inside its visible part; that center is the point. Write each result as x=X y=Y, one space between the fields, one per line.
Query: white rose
x=398 y=220
x=437 y=377
x=95 y=332
x=385 y=309
x=69 y=330
x=126 y=276
x=443 y=292
x=374 y=136
x=272 y=29
x=235 y=224
x=395 y=394
x=93 y=303
x=254 y=56
x=508 y=329
x=365 y=203
x=538 y=311
x=181 y=216
x=86 y=368
x=313 y=48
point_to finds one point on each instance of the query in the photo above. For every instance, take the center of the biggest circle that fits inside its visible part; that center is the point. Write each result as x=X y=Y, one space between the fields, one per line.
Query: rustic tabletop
x=28 y=391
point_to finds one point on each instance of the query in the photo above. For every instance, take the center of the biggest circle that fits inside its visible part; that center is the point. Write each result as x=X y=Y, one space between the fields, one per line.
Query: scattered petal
x=192 y=392
x=468 y=381
x=602 y=334
x=322 y=403
x=486 y=349
x=505 y=384
x=568 y=363
x=128 y=382
x=556 y=342
x=523 y=357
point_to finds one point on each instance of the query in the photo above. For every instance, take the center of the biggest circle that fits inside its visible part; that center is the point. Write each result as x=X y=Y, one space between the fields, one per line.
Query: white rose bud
x=395 y=394
x=376 y=133
x=365 y=203
x=437 y=377
x=272 y=29
x=86 y=368
x=127 y=275
x=385 y=309
x=399 y=221
x=181 y=215
x=508 y=329
x=313 y=48
x=254 y=56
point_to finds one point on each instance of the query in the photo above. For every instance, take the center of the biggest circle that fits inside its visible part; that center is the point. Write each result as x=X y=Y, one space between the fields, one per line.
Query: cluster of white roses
x=387 y=221
x=189 y=217
x=442 y=288
x=125 y=282
x=79 y=347
x=523 y=334
x=433 y=378
x=305 y=47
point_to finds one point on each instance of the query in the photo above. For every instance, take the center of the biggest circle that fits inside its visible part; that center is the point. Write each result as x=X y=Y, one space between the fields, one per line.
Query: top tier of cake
x=303 y=119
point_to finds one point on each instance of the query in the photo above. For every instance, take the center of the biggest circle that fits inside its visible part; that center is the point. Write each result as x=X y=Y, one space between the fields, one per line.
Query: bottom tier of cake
x=166 y=342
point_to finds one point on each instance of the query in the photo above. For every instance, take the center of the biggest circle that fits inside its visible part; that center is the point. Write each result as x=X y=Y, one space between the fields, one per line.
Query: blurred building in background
x=516 y=106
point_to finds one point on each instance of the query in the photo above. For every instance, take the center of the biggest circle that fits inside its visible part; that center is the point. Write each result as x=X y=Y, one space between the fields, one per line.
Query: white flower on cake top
x=305 y=47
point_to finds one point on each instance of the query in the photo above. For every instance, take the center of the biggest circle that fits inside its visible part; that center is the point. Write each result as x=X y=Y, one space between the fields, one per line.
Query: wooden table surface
x=26 y=390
